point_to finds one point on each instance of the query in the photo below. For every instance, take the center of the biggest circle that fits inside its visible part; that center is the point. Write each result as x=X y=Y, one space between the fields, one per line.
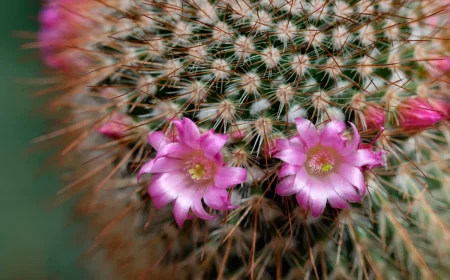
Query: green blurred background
x=36 y=242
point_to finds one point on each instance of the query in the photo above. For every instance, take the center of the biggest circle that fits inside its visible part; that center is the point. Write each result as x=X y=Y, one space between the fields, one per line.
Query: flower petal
x=353 y=175
x=217 y=199
x=173 y=150
x=199 y=211
x=286 y=186
x=292 y=184
x=330 y=135
x=146 y=168
x=343 y=188
x=318 y=194
x=303 y=197
x=157 y=140
x=335 y=200
x=301 y=178
x=354 y=144
x=364 y=157
x=188 y=132
x=290 y=152
x=288 y=169
x=165 y=164
x=229 y=176
x=171 y=182
x=211 y=143
x=181 y=211
x=285 y=144
x=163 y=200
x=307 y=132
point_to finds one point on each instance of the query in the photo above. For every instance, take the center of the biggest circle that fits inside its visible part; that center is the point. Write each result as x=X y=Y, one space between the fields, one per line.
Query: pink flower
x=190 y=169
x=374 y=117
x=321 y=165
x=62 y=26
x=417 y=113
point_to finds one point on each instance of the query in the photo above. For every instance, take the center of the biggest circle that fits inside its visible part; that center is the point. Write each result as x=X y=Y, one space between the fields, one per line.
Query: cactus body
x=257 y=72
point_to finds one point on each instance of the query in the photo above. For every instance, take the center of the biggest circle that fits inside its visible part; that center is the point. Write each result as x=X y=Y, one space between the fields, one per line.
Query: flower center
x=199 y=169
x=197 y=172
x=320 y=162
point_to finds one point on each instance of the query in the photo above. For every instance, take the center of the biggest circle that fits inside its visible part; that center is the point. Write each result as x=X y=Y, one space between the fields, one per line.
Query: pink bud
x=442 y=106
x=116 y=127
x=417 y=113
x=374 y=117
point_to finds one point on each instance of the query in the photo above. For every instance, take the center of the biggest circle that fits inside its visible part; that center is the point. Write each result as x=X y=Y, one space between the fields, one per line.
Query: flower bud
x=417 y=113
x=116 y=127
x=374 y=117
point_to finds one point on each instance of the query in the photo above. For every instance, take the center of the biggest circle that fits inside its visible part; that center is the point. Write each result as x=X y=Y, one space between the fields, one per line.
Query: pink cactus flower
x=62 y=27
x=417 y=113
x=321 y=165
x=374 y=117
x=190 y=169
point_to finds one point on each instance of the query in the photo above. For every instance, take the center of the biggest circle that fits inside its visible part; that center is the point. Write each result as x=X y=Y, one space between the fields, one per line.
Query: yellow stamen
x=327 y=167
x=197 y=172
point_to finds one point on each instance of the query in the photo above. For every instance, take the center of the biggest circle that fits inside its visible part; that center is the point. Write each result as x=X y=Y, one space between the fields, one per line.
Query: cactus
x=253 y=94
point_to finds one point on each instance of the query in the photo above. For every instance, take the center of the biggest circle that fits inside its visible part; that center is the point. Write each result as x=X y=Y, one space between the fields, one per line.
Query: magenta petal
x=292 y=184
x=163 y=200
x=336 y=201
x=354 y=144
x=181 y=211
x=188 y=131
x=307 y=132
x=217 y=199
x=157 y=140
x=286 y=186
x=146 y=168
x=301 y=179
x=318 y=195
x=166 y=183
x=173 y=150
x=364 y=157
x=353 y=175
x=291 y=156
x=288 y=169
x=229 y=176
x=211 y=143
x=165 y=164
x=303 y=197
x=343 y=188
x=285 y=144
x=330 y=135
x=199 y=211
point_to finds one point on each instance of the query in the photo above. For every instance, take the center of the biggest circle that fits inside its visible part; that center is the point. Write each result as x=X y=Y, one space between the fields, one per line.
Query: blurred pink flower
x=190 y=169
x=321 y=165
x=417 y=113
x=62 y=25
